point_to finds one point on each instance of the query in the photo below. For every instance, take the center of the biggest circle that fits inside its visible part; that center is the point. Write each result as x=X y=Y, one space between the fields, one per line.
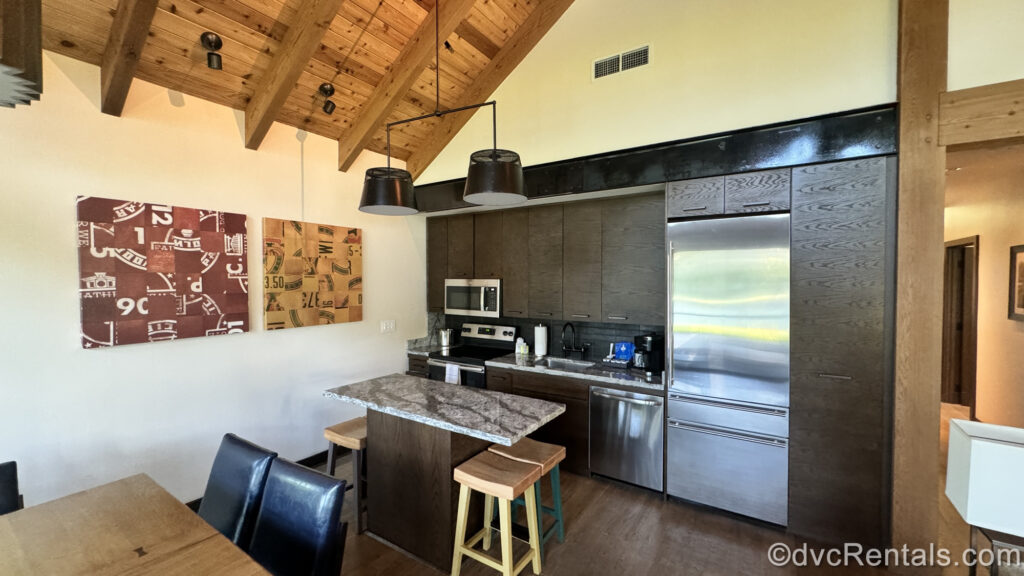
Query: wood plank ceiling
x=378 y=54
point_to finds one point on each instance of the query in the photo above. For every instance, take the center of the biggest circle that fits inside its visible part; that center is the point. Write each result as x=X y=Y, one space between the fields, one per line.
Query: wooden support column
x=417 y=55
x=128 y=35
x=312 y=19
x=923 y=37
x=511 y=54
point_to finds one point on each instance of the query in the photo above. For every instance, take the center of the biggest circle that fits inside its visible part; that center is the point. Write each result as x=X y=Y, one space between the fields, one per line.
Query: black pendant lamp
x=388 y=192
x=495 y=176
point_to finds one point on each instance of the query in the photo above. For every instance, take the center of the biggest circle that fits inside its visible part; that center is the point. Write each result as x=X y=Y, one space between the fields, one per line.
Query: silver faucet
x=567 y=351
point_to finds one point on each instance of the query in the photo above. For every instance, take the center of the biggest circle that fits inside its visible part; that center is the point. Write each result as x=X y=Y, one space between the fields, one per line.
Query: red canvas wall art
x=150 y=272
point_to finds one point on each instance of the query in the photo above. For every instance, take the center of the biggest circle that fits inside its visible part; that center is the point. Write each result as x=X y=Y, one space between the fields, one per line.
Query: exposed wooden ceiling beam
x=511 y=54
x=416 y=55
x=994 y=112
x=124 y=47
x=312 y=20
x=478 y=39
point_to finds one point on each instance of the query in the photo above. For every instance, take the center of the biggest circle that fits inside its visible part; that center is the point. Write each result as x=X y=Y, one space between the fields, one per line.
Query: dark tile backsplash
x=598 y=335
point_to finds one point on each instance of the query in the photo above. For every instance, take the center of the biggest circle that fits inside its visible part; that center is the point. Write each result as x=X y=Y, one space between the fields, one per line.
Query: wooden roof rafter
x=364 y=49
x=508 y=57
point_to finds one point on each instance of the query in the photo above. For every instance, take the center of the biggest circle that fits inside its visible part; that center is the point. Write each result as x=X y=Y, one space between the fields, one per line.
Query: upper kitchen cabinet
x=460 y=246
x=515 y=281
x=762 y=191
x=633 y=259
x=581 y=261
x=545 y=262
x=487 y=251
x=697 y=197
x=842 y=269
x=437 y=262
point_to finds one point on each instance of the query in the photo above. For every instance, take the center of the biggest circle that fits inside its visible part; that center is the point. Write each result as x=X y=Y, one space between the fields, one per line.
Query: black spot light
x=212 y=43
x=327 y=90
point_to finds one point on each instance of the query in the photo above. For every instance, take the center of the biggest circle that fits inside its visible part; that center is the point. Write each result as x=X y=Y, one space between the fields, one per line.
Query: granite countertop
x=421 y=350
x=492 y=416
x=596 y=373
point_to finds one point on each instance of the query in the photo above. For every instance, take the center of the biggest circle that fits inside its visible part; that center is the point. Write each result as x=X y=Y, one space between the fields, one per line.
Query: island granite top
x=492 y=416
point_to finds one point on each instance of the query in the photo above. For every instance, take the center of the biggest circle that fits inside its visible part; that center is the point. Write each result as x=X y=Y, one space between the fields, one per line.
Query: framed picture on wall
x=1017 y=282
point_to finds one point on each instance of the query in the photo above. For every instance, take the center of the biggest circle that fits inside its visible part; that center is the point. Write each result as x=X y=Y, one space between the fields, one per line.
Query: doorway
x=960 y=323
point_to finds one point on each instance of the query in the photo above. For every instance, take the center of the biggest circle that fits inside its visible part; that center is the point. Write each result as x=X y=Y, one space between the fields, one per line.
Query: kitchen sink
x=564 y=364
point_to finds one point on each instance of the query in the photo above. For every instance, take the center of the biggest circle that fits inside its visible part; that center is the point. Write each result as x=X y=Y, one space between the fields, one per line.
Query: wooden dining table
x=131 y=526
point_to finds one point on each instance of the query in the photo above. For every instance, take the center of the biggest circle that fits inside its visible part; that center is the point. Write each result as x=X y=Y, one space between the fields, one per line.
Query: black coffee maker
x=649 y=353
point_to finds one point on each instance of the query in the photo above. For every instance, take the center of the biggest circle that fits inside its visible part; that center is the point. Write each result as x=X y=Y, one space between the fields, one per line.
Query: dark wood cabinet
x=581 y=261
x=572 y=428
x=545 y=261
x=487 y=251
x=842 y=264
x=418 y=366
x=761 y=191
x=697 y=197
x=499 y=380
x=460 y=246
x=633 y=260
x=515 y=272
x=437 y=262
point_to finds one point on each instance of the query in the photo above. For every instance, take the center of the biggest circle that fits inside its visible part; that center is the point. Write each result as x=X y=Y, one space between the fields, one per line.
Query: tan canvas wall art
x=312 y=274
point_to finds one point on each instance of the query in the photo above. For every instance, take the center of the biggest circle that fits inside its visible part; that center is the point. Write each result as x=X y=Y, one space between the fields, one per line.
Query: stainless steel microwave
x=472 y=297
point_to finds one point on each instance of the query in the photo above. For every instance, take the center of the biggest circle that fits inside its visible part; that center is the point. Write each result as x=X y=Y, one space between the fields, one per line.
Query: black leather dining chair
x=299 y=531
x=235 y=488
x=10 y=499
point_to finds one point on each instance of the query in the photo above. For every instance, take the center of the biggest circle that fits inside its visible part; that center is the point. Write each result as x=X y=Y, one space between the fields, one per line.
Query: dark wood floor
x=614 y=529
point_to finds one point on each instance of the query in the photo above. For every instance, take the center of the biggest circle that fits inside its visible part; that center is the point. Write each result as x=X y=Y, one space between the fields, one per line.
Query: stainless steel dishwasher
x=626 y=436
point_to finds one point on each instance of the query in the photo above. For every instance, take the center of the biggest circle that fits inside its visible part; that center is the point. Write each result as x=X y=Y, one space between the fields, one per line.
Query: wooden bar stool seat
x=548 y=457
x=499 y=479
x=350 y=434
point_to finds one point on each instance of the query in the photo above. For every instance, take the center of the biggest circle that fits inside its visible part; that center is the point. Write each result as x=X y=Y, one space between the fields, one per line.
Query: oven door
x=468 y=375
x=472 y=298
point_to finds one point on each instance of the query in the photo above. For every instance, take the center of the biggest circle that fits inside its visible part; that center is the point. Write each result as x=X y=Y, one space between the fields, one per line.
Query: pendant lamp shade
x=388 y=192
x=495 y=178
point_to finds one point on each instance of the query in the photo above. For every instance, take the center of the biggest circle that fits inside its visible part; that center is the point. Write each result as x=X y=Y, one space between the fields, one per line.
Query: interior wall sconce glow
x=212 y=43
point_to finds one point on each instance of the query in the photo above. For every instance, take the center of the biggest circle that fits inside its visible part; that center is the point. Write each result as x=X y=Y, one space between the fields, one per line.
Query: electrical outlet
x=387 y=326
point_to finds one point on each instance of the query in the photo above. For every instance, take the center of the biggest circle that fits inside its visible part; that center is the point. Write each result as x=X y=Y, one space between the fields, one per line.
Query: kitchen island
x=417 y=432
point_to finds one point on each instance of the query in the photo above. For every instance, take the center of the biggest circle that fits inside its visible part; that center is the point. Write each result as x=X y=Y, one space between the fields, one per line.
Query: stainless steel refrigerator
x=728 y=408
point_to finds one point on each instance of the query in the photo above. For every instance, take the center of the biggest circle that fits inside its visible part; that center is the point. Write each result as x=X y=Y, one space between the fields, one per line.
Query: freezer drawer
x=716 y=413
x=626 y=436
x=743 y=473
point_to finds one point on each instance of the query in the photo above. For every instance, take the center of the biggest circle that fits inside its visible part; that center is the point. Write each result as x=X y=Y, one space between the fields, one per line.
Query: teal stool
x=547 y=456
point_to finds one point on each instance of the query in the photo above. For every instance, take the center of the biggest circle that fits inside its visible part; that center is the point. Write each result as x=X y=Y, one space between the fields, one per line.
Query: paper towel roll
x=540 y=340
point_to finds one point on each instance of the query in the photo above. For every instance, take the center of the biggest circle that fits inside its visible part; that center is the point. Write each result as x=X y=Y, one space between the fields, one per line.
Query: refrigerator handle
x=766 y=440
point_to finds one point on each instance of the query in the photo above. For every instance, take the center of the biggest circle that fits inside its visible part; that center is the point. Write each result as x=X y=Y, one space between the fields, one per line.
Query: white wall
x=75 y=418
x=716 y=65
x=986 y=41
x=984 y=198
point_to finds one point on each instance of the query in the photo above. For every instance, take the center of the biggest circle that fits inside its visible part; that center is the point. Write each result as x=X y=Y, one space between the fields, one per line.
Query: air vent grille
x=635 y=58
x=621 y=62
x=606 y=66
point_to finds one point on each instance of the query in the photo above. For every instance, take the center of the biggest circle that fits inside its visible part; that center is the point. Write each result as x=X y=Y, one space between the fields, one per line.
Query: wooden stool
x=547 y=456
x=502 y=479
x=350 y=434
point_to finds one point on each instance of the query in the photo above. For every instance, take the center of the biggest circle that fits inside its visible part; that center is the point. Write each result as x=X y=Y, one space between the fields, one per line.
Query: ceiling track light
x=327 y=90
x=495 y=176
x=212 y=43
